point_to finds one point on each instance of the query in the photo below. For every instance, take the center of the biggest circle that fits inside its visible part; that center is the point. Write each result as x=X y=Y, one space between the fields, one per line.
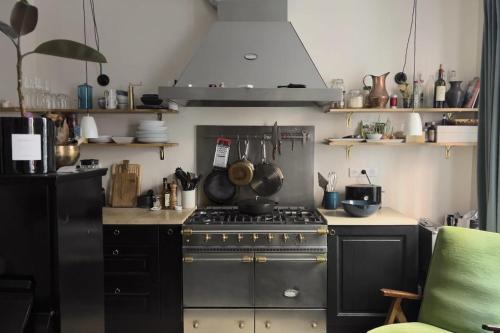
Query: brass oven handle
x=318 y=259
x=244 y=259
x=261 y=259
x=247 y=259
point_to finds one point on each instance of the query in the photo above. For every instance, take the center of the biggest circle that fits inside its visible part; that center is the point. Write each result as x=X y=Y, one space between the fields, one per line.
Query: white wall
x=151 y=41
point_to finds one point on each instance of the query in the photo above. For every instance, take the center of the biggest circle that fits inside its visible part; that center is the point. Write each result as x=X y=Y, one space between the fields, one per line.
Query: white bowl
x=101 y=139
x=123 y=139
x=374 y=136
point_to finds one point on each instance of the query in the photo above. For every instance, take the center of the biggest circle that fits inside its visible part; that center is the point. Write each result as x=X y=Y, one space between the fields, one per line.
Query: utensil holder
x=331 y=200
x=188 y=199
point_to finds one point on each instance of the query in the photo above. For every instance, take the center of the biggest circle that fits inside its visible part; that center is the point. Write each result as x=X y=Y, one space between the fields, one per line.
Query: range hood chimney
x=253 y=50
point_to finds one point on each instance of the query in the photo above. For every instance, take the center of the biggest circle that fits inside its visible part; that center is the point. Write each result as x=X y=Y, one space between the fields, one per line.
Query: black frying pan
x=218 y=188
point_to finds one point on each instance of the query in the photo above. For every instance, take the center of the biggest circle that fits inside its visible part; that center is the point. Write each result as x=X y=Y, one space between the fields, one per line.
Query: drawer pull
x=314 y=324
x=170 y=231
x=260 y=259
x=268 y=324
x=116 y=232
x=117 y=291
x=241 y=324
x=290 y=293
x=116 y=252
x=196 y=324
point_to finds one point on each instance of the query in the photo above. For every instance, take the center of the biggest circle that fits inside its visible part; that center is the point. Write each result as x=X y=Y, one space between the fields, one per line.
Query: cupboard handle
x=196 y=324
x=332 y=232
x=117 y=291
x=268 y=324
x=116 y=232
x=241 y=324
x=314 y=324
x=116 y=252
x=170 y=231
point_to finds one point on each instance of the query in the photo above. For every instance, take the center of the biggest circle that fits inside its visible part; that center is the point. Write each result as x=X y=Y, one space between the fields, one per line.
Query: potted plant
x=27 y=143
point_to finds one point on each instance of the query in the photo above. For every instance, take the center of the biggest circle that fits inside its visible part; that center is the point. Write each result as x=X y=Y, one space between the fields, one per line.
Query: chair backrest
x=463 y=286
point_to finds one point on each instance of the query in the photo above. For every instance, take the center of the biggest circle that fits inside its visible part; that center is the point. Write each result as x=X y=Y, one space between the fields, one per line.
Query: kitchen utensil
x=241 y=172
x=275 y=140
x=217 y=187
x=257 y=206
x=125 y=184
x=67 y=155
x=378 y=96
x=111 y=100
x=122 y=140
x=331 y=200
x=364 y=192
x=88 y=128
x=360 y=208
x=332 y=182
x=322 y=181
x=267 y=178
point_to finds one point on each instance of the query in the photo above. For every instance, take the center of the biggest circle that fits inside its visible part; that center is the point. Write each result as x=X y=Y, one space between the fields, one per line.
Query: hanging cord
x=96 y=31
x=409 y=34
x=85 y=41
x=415 y=6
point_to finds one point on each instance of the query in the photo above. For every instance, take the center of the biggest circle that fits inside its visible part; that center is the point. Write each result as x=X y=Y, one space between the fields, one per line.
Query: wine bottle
x=440 y=89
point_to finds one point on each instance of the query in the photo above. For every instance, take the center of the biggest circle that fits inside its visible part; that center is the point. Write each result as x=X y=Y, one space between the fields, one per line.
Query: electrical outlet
x=354 y=172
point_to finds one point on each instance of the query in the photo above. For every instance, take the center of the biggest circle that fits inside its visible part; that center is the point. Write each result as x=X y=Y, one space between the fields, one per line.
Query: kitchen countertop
x=141 y=216
x=385 y=216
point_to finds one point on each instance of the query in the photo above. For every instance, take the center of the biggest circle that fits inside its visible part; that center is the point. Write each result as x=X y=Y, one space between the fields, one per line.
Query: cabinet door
x=171 y=278
x=362 y=260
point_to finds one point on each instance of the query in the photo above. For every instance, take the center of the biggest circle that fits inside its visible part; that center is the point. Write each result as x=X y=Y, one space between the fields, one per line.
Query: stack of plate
x=152 y=131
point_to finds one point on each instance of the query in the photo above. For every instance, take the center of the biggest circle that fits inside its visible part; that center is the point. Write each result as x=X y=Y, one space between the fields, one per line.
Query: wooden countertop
x=385 y=216
x=141 y=216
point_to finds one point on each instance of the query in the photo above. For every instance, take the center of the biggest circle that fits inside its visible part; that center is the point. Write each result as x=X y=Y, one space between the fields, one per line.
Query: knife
x=275 y=139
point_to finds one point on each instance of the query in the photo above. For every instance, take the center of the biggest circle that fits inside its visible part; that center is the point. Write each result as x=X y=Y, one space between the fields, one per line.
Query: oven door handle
x=264 y=259
x=243 y=259
x=319 y=231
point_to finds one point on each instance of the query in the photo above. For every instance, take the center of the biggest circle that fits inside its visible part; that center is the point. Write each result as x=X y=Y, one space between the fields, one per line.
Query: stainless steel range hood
x=252 y=49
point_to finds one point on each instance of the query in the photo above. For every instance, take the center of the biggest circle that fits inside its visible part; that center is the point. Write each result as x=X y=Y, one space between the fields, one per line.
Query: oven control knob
x=285 y=237
x=255 y=237
x=207 y=238
x=314 y=324
x=268 y=324
x=270 y=237
x=241 y=324
x=196 y=324
x=224 y=238
x=240 y=238
x=300 y=238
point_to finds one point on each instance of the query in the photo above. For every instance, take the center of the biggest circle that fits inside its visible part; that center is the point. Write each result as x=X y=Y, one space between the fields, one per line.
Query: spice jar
x=355 y=99
x=366 y=95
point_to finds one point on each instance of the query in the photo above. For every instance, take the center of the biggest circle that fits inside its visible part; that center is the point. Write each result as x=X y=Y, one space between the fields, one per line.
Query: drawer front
x=290 y=321
x=290 y=280
x=126 y=234
x=130 y=294
x=219 y=321
x=126 y=259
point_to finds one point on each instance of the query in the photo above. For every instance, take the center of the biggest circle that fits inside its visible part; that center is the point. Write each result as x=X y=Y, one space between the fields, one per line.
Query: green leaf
x=24 y=18
x=8 y=31
x=71 y=50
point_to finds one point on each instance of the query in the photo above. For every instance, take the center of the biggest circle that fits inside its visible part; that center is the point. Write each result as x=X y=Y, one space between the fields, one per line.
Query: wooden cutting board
x=126 y=184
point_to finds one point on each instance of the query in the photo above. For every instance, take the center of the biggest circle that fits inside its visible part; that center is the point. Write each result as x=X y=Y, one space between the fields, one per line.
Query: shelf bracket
x=348 y=151
x=447 y=151
x=348 y=118
x=159 y=116
x=162 y=153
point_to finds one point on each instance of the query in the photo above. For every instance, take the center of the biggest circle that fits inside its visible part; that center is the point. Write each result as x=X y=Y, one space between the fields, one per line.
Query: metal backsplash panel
x=297 y=165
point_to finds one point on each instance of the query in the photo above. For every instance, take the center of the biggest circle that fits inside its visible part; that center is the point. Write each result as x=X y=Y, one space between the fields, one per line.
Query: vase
x=455 y=96
x=378 y=96
x=27 y=146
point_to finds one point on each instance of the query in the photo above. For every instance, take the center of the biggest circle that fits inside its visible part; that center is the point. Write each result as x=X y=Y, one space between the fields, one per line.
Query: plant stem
x=19 y=67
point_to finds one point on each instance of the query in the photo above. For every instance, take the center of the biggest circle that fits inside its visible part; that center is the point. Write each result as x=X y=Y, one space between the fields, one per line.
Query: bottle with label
x=440 y=89
x=166 y=194
x=431 y=133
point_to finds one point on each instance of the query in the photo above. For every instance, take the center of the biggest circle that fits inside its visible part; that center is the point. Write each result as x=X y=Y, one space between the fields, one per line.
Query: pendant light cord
x=414 y=19
x=85 y=41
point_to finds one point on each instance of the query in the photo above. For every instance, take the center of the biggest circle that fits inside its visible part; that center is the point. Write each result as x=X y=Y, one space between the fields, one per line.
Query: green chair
x=462 y=292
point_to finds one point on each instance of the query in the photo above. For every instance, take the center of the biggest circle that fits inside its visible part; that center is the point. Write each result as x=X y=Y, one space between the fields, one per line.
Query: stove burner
x=231 y=215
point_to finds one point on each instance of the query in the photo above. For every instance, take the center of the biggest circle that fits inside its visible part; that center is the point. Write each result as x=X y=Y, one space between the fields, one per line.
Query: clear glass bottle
x=339 y=84
x=417 y=94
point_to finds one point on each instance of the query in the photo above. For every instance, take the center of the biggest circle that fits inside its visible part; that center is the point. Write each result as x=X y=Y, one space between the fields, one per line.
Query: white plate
x=101 y=139
x=344 y=140
x=386 y=141
x=151 y=140
x=152 y=136
x=153 y=129
x=147 y=123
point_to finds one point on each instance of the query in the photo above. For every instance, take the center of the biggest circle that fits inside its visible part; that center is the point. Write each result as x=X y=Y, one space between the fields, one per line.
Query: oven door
x=290 y=280
x=218 y=279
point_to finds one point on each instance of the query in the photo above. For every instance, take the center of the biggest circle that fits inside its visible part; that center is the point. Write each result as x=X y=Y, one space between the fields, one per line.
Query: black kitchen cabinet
x=142 y=295
x=361 y=261
x=51 y=238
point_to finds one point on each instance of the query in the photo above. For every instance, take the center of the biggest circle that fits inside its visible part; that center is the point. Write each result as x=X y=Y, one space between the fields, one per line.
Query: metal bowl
x=67 y=155
x=360 y=208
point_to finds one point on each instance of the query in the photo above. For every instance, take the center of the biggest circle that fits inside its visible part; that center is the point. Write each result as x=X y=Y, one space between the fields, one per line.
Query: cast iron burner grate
x=231 y=215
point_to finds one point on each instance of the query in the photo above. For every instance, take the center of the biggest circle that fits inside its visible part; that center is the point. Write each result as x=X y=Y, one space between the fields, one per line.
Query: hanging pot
x=241 y=171
x=268 y=178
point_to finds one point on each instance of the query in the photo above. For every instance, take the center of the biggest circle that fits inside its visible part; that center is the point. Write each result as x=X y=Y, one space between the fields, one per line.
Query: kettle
x=378 y=96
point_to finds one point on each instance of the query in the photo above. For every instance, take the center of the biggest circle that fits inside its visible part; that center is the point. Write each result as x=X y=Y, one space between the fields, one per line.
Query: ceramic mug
x=331 y=200
x=188 y=199
x=111 y=99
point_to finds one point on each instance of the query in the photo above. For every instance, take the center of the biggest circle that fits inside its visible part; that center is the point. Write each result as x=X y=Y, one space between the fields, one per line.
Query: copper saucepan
x=241 y=172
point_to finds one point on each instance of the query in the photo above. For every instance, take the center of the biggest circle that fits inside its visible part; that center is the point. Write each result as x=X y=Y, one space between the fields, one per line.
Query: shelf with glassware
x=160 y=146
x=349 y=144
x=448 y=111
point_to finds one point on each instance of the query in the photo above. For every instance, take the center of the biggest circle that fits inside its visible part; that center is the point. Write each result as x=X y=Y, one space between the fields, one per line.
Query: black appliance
x=364 y=192
x=51 y=253
x=40 y=127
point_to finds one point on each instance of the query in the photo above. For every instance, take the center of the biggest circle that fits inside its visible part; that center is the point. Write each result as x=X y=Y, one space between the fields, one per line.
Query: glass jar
x=339 y=84
x=366 y=96
x=355 y=99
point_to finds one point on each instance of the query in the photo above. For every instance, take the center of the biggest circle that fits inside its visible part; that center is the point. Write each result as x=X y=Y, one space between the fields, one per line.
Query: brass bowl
x=67 y=155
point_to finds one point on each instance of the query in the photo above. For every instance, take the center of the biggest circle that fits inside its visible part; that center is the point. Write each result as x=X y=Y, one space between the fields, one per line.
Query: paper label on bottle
x=26 y=147
x=440 y=93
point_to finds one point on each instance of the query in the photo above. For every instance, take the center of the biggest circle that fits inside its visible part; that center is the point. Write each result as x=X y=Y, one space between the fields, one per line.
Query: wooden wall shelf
x=395 y=111
x=448 y=146
x=160 y=146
